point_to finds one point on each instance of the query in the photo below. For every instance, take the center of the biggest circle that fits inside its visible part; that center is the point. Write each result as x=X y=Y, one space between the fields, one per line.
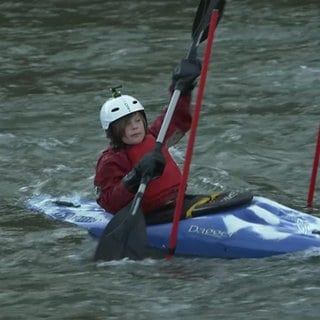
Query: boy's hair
x=117 y=128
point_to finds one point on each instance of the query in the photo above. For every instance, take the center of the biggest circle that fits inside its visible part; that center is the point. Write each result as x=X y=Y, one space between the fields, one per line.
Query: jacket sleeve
x=112 y=194
x=180 y=123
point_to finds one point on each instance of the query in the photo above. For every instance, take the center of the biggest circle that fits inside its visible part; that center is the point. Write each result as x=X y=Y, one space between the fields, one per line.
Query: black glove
x=185 y=75
x=151 y=165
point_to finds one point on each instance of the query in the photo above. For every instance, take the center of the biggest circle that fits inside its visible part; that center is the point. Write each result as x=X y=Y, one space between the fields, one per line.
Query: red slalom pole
x=313 y=179
x=194 y=124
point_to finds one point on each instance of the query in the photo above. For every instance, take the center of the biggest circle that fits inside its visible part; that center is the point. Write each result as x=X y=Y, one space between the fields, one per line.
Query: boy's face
x=134 y=131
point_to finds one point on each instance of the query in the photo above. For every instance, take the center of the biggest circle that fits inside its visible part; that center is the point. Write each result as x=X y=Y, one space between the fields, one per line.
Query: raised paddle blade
x=201 y=11
x=124 y=237
x=200 y=27
x=201 y=21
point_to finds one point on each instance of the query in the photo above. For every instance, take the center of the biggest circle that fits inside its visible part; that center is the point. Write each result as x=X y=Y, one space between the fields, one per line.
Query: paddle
x=125 y=235
x=214 y=14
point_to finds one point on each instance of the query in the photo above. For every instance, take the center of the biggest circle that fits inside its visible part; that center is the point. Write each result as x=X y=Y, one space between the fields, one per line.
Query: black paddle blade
x=200 y=27
x=202 y=9
x=125 y=236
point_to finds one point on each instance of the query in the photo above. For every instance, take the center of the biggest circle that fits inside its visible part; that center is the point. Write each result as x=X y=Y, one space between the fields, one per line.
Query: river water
x=257 y=131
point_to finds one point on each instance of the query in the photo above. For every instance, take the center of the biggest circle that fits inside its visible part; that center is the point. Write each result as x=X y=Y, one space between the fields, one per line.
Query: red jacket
x=112 y=166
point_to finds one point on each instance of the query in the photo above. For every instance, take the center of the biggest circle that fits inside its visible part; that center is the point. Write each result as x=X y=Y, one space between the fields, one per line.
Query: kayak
x=258 y=229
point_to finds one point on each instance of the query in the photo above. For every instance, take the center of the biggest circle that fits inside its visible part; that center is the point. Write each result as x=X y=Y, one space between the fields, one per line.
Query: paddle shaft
x=314 y=172
x=195 y=120
x=167 y=118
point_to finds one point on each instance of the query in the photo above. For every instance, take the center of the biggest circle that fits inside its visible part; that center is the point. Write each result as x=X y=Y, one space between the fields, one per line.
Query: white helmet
x=116 y=108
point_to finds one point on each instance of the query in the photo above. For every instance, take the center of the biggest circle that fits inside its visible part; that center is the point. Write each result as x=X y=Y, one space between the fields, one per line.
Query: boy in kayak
x=131 y=155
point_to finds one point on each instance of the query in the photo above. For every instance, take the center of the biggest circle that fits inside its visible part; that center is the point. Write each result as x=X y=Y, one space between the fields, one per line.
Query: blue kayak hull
x=260 y=229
